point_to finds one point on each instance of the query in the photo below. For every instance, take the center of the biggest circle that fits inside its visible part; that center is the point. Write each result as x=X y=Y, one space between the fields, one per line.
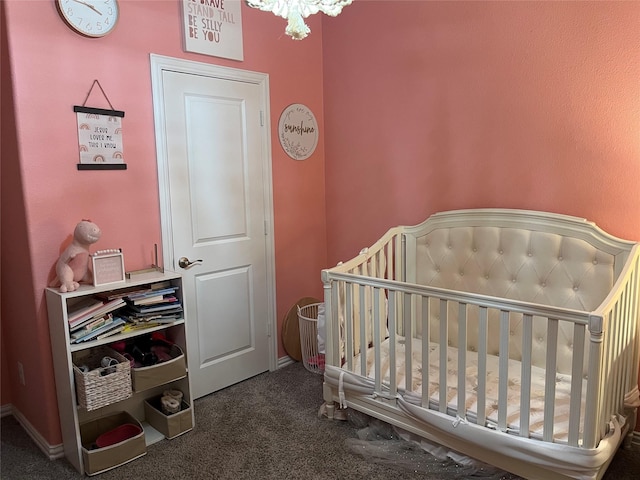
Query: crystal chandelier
x=295 y=10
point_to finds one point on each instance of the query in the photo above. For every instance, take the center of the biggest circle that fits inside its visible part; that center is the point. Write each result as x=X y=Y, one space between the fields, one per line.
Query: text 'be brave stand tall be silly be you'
x=206 y=19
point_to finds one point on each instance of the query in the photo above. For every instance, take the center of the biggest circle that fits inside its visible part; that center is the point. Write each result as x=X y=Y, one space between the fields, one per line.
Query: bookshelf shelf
x=72 y=415
x=123 y=336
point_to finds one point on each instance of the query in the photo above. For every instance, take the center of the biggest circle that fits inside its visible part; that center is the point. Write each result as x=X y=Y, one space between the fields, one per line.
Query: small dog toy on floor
x=72 y=267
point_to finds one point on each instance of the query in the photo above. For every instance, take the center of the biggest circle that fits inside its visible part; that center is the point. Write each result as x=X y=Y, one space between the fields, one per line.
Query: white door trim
x=161 y=63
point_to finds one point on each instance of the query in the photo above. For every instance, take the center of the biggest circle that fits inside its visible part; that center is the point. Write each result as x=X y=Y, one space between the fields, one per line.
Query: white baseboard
x=284 y=361
x=6 y=410
x=53 y=452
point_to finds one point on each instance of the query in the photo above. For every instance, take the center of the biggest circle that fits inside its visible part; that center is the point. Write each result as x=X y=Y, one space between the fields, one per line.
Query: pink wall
x=53 y=69
x=441 y=105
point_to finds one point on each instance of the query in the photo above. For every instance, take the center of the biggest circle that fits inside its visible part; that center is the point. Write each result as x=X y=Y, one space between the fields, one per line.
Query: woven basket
x=101 y=386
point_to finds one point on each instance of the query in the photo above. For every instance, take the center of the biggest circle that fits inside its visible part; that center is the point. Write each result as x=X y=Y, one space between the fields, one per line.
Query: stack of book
x=157 y=305
x=94 y=319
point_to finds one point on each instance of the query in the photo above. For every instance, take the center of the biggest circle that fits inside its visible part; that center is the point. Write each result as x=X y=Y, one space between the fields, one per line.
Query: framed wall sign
x=108 y=267
x=100 y=138
x=298 y=131
x=213 y=27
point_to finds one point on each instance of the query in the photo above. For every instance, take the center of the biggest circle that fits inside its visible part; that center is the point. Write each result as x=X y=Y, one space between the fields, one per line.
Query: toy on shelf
x=72 y=267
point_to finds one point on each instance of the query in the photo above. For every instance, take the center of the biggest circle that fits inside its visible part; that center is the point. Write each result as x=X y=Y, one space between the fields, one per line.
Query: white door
x=215 y=191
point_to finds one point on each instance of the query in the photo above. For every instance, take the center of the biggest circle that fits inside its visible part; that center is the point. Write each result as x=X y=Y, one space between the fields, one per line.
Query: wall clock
x=91 y=18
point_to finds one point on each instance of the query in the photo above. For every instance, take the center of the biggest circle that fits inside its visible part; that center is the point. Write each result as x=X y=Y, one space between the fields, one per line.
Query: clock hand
x=88 y=5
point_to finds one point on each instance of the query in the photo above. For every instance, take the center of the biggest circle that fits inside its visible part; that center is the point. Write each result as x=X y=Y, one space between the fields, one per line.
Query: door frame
x=159 y=64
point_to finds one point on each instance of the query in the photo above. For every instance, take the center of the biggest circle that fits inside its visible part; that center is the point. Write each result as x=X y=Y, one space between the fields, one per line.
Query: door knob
x=184 y=262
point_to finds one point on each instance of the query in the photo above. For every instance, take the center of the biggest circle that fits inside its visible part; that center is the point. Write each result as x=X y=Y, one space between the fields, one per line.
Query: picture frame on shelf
x=107 y=267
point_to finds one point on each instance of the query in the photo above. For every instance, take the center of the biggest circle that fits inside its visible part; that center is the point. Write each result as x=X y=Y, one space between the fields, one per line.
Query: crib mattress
x=413 y=394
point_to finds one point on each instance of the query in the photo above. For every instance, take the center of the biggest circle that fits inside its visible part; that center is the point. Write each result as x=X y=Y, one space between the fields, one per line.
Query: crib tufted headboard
x=535 y=257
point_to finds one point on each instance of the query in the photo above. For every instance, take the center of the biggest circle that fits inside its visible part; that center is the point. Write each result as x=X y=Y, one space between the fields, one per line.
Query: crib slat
x=363 y=332
x=413 y=333
x=616 y=393
x=401 y=255
x=620 y=345
x=332 y=344
x=408 y=303
x=389 y=249
x=503 y=368
x=376 y=340
x=628 y=339
x=550 y=379
x=525 y=382
x=607 y=338
x=462 y=360
x=444 y=335
x=349 y=341
x=626 y=366
x=406 y=309
x=482 y=366
x=634 y=288
x=623 y=367
x=426 y=343
x=393 y=387
x=611 y=332
x=576 y=384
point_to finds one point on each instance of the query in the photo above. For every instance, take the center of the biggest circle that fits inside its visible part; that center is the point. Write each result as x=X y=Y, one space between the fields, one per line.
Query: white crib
x=510 y=336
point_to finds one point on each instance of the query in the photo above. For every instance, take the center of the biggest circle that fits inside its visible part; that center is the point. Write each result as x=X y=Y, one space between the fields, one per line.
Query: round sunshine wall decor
x=298 y=131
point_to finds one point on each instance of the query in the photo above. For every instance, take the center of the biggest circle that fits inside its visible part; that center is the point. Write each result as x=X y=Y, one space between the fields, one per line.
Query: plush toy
x=72 y=267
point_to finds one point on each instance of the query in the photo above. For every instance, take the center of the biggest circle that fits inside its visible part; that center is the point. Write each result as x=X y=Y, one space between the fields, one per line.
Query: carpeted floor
x=268 y=428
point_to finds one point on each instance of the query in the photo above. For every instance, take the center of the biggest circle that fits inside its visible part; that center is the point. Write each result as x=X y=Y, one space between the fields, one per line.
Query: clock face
x=92 y=18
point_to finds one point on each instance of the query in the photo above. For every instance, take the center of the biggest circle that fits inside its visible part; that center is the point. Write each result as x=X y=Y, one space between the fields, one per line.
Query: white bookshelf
x=70 y=413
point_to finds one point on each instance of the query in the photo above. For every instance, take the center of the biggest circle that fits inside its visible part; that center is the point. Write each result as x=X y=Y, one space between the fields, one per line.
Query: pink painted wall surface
x=434 y=106
x=53 y=69
x=441 y=105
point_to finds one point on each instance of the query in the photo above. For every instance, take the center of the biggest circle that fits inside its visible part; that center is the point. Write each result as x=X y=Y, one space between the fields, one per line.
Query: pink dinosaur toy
x=72 y=267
